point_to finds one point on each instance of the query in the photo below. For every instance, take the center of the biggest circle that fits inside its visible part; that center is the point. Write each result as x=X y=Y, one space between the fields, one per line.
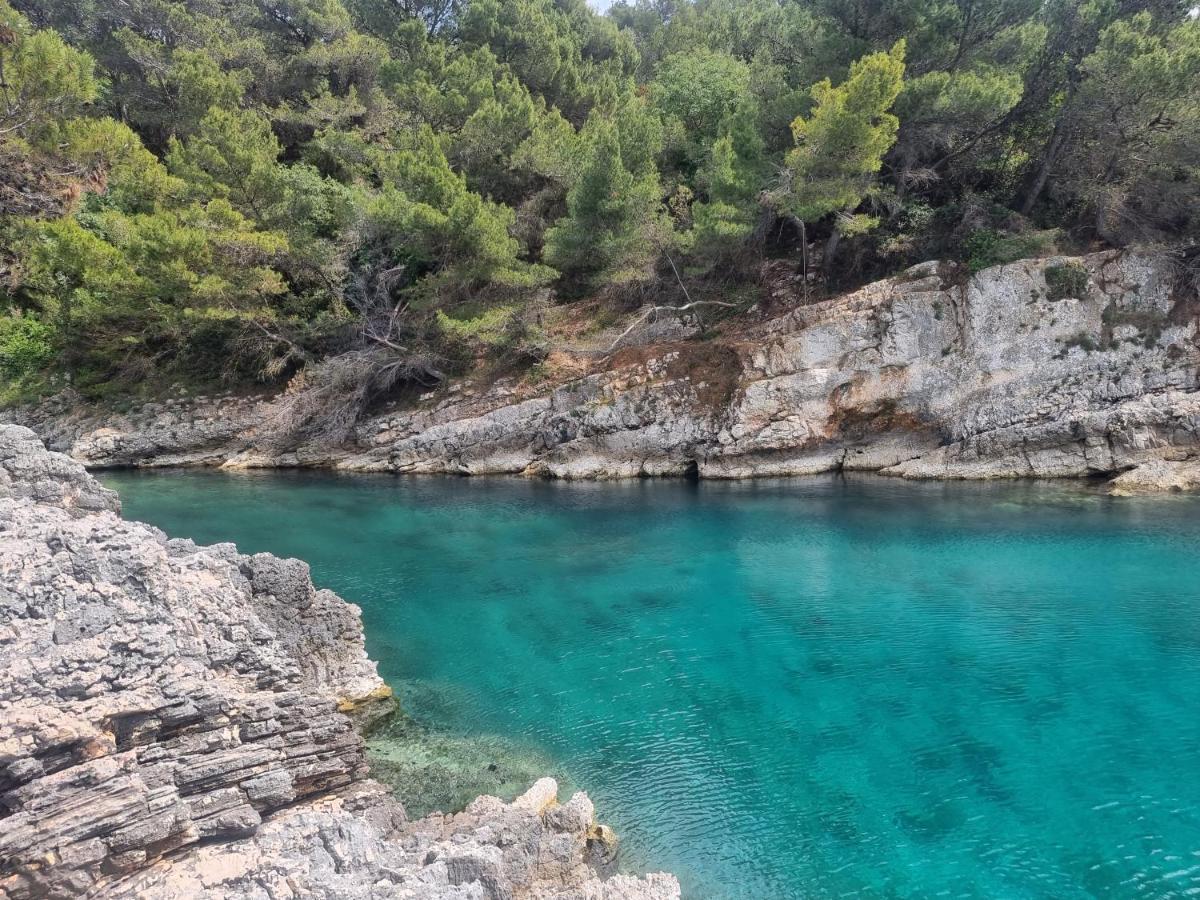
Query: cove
x=812 y=688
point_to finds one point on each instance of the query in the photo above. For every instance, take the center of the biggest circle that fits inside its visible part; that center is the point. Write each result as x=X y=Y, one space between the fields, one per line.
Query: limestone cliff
x=173 y=724
x=1059 y=367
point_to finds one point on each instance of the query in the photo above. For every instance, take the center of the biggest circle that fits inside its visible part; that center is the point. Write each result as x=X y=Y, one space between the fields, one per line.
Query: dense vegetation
x=241 y=189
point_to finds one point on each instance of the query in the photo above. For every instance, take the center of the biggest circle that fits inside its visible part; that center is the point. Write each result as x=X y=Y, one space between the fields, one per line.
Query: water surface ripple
x=818 y=688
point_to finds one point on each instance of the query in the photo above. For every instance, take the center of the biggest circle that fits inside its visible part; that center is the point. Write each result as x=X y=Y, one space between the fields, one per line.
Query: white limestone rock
x=173 y=723
x=1156 y=476
x=924 y=375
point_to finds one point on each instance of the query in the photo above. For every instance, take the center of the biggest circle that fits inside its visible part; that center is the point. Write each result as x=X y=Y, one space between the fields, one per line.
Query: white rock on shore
x=1157 y=476
x=173 y=723
x=924 y=375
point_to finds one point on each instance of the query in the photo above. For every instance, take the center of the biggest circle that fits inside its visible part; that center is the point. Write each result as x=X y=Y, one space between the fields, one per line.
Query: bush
x=26 y=345
x=986 y=247
x=1149 y=322
x=1065 y=281
x=491 y=328
x=1082 y=340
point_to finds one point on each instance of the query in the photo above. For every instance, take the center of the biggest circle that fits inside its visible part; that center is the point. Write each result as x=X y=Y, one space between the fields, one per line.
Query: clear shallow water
x=816 y=688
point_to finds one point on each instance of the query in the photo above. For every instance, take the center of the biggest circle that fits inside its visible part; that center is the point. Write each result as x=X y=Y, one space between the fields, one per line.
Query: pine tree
x=1135 y=132
x=840 y=146
x=613 y=223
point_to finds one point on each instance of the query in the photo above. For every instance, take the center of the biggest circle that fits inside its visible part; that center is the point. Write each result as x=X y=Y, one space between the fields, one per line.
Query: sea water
x=822 y=687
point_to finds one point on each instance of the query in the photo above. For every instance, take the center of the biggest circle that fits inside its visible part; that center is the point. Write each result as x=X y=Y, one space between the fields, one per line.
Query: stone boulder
x=1157 y=476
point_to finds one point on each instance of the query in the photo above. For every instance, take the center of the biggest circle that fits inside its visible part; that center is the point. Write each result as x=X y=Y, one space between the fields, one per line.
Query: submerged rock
x=429 y=769
x=1157 y=476
x=173 y=723
x=924 y=375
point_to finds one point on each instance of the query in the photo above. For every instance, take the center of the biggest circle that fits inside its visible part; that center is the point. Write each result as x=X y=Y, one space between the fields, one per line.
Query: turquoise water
x=816 y=688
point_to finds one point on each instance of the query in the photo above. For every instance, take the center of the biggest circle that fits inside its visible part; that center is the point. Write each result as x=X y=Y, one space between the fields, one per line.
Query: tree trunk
x=831 y=249
x=1038 y=183
x=1054 y=146
x=65 y=321
x=803 y=256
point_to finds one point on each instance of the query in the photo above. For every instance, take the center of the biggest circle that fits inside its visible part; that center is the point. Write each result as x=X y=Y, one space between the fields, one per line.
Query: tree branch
x=654 y=310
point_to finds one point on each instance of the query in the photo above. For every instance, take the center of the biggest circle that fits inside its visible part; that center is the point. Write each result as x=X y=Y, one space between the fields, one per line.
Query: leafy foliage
x=612 y=228
x=840 y=146
x=25 y=345
x=986 y=247
x=1064 y=281
x=253 y=188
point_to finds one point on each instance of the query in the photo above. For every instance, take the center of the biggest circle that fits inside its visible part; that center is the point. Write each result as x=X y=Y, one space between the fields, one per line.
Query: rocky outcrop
x=28 y=471
x=1158 y=476
x=351 y=846
x=173 y=723
x=1053 y=367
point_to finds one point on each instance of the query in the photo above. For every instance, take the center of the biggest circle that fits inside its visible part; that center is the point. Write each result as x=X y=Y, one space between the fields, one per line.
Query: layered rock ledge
x=1059 y=367
x=174 y=723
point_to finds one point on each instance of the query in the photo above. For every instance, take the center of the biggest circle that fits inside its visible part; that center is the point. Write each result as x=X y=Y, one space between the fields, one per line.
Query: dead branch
x=293 y=348
x=655 y=310
x=327 y=400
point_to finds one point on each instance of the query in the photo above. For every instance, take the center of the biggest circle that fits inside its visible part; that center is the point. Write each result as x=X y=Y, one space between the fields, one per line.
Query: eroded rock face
x=173 y=723
x=351 y=846
x=1018 y=371
x=27 y=471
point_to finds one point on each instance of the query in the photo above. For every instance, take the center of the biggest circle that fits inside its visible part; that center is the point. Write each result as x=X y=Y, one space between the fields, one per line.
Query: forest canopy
x=241 y=191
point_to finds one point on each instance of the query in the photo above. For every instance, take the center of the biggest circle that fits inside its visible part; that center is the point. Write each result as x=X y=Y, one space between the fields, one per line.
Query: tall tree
x=42 y=80
x=695 y=92
x=1135 y=131
x=840 y=146
x=614 y=227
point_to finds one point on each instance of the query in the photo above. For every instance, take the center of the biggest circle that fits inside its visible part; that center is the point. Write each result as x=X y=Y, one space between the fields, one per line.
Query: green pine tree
x=840 y=145
x=612 y=230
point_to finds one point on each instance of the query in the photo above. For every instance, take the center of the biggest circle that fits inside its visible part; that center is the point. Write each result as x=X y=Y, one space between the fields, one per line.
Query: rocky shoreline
x=1058 y=367
x=176 y=721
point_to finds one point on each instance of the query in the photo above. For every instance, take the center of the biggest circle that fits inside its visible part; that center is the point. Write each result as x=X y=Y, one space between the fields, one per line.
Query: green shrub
x=986 y=247
x=1066 y=280
x=26 y=345
x=1149 y=322
x=491 y=327
x=1083 y=340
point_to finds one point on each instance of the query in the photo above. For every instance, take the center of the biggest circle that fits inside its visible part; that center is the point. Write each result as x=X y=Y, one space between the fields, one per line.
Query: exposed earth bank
x=1059 y=367
x=176 y=721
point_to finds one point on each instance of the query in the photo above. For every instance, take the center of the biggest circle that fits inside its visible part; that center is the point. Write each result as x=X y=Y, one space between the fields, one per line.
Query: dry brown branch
x=327 y=400
x=655 y=310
